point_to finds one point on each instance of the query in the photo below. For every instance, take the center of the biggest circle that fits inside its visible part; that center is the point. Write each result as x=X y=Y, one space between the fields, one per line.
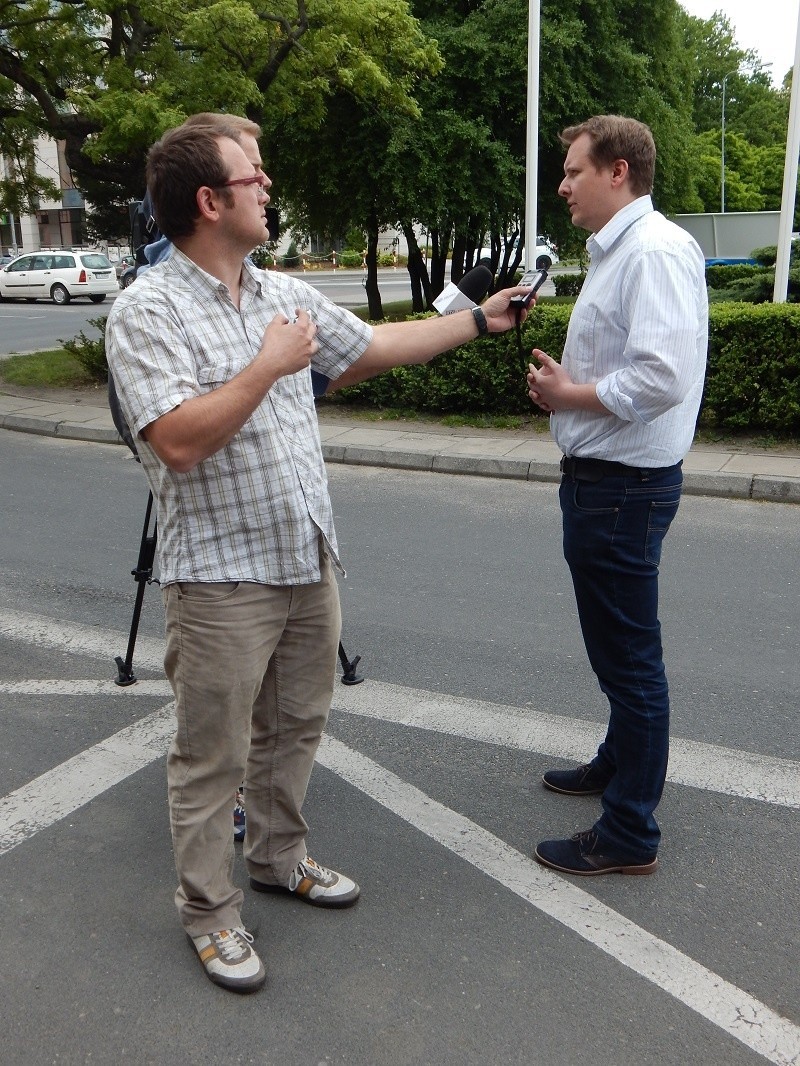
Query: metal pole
x=722 y=177
x=781 y=289
x=532 y=163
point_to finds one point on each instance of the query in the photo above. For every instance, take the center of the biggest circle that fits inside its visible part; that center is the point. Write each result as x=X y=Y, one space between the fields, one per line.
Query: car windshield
x=96 y=262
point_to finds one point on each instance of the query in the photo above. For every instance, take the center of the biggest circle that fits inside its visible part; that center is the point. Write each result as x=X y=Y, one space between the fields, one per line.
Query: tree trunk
x=440 y=245
x=374 y=301
x=421 y=295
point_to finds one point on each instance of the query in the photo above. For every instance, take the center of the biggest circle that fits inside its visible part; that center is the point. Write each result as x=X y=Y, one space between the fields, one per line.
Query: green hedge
x=753 y=377
x=752 y=382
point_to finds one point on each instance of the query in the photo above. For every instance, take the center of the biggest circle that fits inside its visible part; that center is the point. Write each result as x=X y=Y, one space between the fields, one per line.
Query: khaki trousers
x=252 y=668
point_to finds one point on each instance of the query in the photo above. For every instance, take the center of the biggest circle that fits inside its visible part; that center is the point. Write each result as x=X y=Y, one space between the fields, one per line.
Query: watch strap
x=480 y=321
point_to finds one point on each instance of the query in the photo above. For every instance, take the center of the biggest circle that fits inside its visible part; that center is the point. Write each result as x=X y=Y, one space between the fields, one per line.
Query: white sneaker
x=229 y=960
x=314 y=884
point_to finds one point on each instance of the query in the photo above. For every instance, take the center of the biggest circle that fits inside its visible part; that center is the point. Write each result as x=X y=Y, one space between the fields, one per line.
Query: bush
x=753 y=377
x=568 y=284
x=755 y=287
x=752 y=381
x=720 y=277
x=350 y=258
x=90 y=351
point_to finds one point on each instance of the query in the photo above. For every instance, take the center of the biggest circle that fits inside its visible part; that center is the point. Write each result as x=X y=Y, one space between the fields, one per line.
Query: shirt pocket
x=579 y=350
x=211 y=375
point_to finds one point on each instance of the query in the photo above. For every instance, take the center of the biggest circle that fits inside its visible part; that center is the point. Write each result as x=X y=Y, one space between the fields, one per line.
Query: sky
x=767 y=26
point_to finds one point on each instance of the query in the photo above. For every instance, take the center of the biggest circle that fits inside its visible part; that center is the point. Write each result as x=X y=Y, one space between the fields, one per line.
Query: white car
x=60 y=275
x=546 y=254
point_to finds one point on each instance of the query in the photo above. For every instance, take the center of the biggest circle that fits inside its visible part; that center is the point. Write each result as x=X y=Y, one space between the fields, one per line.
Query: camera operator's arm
x=201 y=425
x=403 y=343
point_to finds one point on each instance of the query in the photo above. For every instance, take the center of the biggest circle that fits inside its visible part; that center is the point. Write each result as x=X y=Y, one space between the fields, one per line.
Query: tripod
x=143 y=572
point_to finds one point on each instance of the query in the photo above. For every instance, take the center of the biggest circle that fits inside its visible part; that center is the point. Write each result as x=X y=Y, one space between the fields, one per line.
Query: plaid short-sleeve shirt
x=254 y=510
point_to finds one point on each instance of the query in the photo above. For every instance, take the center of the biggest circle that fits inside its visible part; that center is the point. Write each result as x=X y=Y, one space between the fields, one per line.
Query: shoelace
x=309 y=868
x=231 y=947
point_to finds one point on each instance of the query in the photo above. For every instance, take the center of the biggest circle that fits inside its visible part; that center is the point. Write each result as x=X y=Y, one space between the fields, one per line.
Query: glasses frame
x=254 y=179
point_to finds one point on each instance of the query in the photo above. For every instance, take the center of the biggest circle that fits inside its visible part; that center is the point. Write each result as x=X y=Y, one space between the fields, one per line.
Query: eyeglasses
x=254 y=179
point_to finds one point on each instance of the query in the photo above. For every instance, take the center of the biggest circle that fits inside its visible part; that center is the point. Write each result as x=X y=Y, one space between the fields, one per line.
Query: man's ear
x=206 y=202
x=619 y=172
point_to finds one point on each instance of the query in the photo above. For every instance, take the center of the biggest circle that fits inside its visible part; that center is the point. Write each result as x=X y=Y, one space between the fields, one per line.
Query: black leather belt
x=595 y=469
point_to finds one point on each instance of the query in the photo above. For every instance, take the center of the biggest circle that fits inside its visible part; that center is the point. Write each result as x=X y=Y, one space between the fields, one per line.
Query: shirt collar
x=187 y=268
x=605 y=238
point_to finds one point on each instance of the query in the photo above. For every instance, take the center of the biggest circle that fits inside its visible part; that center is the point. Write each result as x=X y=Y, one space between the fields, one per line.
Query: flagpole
x=781 y=289
x=532 y=136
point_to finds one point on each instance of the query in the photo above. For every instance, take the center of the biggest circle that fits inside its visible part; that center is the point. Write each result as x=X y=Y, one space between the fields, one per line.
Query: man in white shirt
x=623 y=404
x=212 y=359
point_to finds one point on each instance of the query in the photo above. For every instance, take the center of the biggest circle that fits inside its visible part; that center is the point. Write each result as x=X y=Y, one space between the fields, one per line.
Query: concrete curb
x=434 y=453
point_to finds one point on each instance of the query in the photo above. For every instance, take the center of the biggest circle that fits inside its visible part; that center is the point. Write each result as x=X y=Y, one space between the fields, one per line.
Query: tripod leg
x=349 y=675
x=143 y=575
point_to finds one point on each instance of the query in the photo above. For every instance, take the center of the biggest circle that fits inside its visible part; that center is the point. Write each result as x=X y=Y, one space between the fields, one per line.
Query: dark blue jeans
x=613 y=531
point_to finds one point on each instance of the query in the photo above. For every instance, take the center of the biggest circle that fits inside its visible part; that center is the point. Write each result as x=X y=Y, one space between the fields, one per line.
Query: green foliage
x=90 y=352
x=349 y=258
x=720 y=277
x=753 y=378
x=568 y=284
x=55 y=369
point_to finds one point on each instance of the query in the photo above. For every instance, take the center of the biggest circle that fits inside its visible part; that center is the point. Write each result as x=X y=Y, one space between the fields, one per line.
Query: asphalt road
x=461 y=950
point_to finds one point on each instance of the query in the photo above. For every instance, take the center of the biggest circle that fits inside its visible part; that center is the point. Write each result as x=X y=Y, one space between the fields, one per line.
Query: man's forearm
x=406 y=343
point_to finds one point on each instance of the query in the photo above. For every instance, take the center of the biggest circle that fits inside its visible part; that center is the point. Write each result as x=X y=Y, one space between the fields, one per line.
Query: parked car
x=128 y=275
x=60 y=275
x=546 y=254
x=123 y=264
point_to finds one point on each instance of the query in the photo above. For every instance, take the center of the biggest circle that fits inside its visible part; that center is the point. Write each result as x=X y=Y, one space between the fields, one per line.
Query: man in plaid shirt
x=212 y=360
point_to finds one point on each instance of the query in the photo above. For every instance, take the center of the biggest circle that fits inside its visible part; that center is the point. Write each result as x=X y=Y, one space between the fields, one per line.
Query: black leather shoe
x=585 y=781
x=582 y=855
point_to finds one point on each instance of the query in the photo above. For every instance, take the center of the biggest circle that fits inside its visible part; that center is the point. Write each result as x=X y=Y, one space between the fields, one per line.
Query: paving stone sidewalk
x=709 y=470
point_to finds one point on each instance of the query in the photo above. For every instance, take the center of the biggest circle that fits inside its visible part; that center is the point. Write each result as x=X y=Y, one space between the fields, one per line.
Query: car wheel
x=543 y=262
x=59 y=295
x=98 y=298
x=128 y=279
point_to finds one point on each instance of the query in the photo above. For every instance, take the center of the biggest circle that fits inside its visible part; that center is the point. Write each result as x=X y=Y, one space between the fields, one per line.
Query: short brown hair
x=185 y=159
x=616 y=137
x=215 y=118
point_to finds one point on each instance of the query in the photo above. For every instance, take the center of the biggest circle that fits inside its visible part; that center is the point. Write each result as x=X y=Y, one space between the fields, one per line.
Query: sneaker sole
x=640 y=869
x=573 y=791
x=280 y=890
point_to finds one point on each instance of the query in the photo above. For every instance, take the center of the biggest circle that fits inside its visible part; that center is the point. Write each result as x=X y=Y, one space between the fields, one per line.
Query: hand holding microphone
x=509 y=306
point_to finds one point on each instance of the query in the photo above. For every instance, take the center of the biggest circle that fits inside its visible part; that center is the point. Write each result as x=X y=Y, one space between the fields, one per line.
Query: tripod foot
x=125 y=675
x=349 y=676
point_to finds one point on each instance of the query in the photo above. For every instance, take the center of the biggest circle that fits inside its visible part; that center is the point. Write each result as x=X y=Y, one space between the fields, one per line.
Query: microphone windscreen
x=476 y=283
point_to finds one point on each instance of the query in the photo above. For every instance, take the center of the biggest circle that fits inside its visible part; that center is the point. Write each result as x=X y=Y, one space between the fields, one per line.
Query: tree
x=108 y=76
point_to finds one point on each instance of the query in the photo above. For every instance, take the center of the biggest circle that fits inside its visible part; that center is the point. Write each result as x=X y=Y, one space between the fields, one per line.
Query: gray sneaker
x=229 y=959
x=314 y=884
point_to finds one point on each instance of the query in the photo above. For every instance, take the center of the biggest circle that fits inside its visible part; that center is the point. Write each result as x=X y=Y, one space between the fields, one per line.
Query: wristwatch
x=480 y=321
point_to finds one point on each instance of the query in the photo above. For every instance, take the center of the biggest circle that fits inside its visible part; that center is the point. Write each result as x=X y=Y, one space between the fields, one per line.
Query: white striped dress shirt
x=639 y=330
x=255 y=509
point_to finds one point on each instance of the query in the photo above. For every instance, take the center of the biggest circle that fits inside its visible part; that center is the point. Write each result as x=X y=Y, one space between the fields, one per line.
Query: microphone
x=467 y=294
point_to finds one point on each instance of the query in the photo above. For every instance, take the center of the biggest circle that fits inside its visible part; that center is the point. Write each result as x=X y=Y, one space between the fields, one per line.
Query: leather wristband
x=480 y=321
